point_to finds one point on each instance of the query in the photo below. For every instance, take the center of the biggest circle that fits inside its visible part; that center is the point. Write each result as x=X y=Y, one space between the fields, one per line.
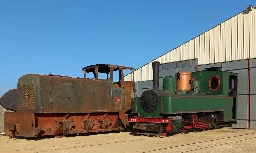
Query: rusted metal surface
x=96 y=103
x=30 y=124
x=183 y=81
x=16 y=123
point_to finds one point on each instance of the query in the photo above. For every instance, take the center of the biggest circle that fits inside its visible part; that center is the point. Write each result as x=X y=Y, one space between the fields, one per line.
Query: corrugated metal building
x=233 y=39
x=231 y=45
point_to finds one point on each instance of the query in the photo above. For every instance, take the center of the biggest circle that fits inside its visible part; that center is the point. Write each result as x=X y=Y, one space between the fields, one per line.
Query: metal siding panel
x=253 y=125
x=253 y=34
x=253 y=107
x=161 y=83
x=161 y=66
x=231 y=40
x=191 y=50
x=186 y=69
x=197 y=51
x=242 y=85
x=228 y=38
x=235 y=65
x=170 y=72
x=246 y=36
x=181 y=52
x=217 y=44
x=240 y=27
x=201 y=48
x=187 y=63
x=143 y=72
x=171 y=56
x=127 y=77
x=253 y=62
x=242 y=107
x=179 y=64
x=234 y=38
x=162 y=59
x=241 y=124
x=194 y=62
x=178 y=54
x=211 y=47
x=204 y=66
x=253 y=81
x=207 y=47
x=166 y=57
x=186 y=51
x=222 y=53
x=138 y=75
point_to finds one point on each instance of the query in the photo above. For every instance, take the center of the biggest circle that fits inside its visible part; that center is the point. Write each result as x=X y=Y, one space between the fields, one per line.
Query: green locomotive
x=188 y=101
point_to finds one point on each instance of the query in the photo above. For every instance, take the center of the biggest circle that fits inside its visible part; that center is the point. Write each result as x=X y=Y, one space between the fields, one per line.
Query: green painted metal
x=169 y=84
x=202 y=99
x=193 y=104
x=203 y=78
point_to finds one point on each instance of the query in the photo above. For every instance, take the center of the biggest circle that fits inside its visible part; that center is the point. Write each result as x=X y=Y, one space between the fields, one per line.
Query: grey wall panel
x=187 y=63
x=253 y=107
x=168 y=66
x=187 y=69
x=161 y=66
x=173 y=65
x=147 y=84
x=235 y=65
x=253 y=62
x=194 y=62
x=241 y=124
x=161 y=83
x=142 y=86
x=242 y=107
x=253 y=125
x=179 y=64
x=205 y=66
x=242 y=81
x=170 y=72
x=136 y=88
x=253 y=81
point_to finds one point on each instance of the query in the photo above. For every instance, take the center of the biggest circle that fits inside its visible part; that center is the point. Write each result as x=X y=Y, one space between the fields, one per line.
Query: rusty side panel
x=128 y=93
x=64 y=94
x=19 y=123
x=42 y=124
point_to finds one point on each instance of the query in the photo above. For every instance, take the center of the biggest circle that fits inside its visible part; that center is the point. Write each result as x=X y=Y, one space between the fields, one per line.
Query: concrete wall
x=246 y=105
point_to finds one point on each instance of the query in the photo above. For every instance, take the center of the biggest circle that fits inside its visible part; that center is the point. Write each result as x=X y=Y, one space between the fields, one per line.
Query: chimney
x=155 y=66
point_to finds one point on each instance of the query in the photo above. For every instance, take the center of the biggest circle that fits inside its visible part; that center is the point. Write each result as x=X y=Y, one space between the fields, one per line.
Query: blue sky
x=61 y=36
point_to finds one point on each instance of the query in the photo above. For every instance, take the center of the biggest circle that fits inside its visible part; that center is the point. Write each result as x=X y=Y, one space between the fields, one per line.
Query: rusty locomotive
x=59 y=105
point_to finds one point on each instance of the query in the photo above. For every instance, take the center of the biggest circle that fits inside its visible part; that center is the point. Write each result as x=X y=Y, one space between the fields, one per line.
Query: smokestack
x=155 y=66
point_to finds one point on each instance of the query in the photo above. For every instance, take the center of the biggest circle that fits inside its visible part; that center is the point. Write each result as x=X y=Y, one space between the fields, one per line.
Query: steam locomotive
x=60 y=105
x=189 y=101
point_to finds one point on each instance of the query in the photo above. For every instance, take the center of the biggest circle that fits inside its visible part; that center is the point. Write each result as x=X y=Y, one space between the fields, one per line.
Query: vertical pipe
x=155 y=66
x=249 y=94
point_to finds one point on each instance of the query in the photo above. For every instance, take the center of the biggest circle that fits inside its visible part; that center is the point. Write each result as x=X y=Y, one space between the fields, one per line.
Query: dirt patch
x=221 y=140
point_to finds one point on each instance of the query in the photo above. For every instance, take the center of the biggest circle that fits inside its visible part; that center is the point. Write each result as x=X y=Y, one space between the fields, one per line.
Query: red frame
x=150 y=120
